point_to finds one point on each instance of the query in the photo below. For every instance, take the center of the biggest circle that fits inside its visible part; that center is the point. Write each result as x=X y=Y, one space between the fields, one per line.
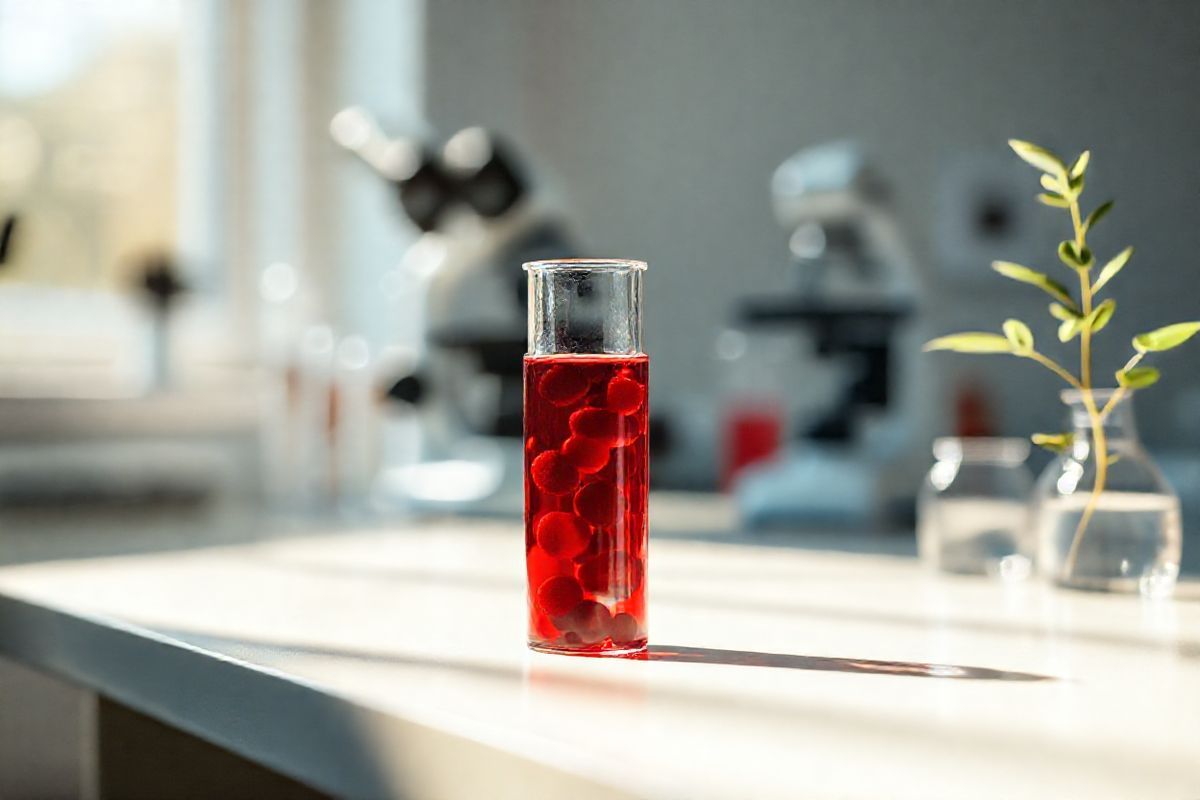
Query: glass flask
x=586 y=457
x=973 y=509
x=1133 y=539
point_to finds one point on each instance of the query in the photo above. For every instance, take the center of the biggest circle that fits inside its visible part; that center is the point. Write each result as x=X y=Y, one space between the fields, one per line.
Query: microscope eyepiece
x=485 y=172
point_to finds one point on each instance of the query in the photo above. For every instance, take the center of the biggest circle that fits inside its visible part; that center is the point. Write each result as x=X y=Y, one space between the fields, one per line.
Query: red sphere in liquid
x=624 y=395
x=541 y=565
x=586 y=455
x=600 y=502
x=607 y=426
x=563 y=386
x=562 y=535
x=624 y=629
x=588 y=620
x=557 y=596
x=607 y=573
x=553 y=474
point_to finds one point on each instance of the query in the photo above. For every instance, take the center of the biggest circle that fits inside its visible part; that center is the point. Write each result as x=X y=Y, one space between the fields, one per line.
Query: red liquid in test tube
x=586 y=487
x=585 y=500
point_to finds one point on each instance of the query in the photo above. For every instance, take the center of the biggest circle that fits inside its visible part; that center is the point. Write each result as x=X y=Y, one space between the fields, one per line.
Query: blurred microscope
x=84 y=433
x=844 y=353
x=452 y=390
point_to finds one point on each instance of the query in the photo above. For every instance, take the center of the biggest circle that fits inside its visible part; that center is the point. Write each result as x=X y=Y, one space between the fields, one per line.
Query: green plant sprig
x=1062 y=188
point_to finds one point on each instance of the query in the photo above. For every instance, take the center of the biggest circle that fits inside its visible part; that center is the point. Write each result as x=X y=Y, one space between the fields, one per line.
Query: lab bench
x=390 y=661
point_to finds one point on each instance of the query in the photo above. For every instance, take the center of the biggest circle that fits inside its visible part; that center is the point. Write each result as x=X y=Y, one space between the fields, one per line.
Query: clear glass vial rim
x=1100 y=395
x=585 y=265
x=991 y=449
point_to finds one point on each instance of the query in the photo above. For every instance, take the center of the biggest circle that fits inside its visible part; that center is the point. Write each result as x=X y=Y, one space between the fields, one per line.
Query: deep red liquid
x=586 y=483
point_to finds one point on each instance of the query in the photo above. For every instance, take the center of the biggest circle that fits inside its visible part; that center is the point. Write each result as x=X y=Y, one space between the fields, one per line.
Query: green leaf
x=1055 y=442
x=1137 y=377
x=1053 y=200
x=1039 y=157
x=1081 y=164
x=1165 y=338
x=1101 y=314
x=1096 y=215
x=1074 y=257
x=1076 y=185
x=1112 y=268
x=1068 y=330
x=1061 y=312
x=1044 y=282
x=971 y=342
x=1019 y=336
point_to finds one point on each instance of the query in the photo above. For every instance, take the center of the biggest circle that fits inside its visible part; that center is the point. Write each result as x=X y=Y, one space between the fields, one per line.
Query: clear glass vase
x=973 y=509
x=1132 y=540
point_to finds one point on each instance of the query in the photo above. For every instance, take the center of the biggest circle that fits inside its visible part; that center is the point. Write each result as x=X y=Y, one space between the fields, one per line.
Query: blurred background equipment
x=149 y=146
x=8 y=228
x=159 y=283
x=854 y=286
x=480 y=219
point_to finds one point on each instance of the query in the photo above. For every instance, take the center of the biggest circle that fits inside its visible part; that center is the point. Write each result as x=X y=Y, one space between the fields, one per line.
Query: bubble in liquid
x=552 y=473
x=586 y=455
x=559 y=595
x=562 y=535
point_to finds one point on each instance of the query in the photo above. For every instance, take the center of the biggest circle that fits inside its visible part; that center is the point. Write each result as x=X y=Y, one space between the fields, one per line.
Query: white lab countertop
x=392 y=662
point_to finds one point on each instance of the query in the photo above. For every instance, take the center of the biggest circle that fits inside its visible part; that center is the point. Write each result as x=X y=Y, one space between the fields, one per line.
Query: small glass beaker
x=586 y=457
x=973 y=509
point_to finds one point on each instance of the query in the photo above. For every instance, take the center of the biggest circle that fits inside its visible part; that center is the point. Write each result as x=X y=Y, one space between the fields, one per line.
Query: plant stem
x=1100 y=442
x=1112 y=402
x=1055 y=367
x=1101 y=456
x=1085 y=334
x=1085 y=299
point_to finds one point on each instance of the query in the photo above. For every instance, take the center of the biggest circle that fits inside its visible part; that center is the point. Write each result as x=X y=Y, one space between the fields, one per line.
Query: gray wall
x=660 y=121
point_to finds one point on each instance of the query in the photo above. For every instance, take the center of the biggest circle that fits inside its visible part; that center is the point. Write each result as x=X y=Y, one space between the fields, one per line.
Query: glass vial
x=586 y=457
x=1133 y=538
x=973 y=509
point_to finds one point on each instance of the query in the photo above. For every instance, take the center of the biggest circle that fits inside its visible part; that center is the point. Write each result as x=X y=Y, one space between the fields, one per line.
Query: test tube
x=586 y=457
